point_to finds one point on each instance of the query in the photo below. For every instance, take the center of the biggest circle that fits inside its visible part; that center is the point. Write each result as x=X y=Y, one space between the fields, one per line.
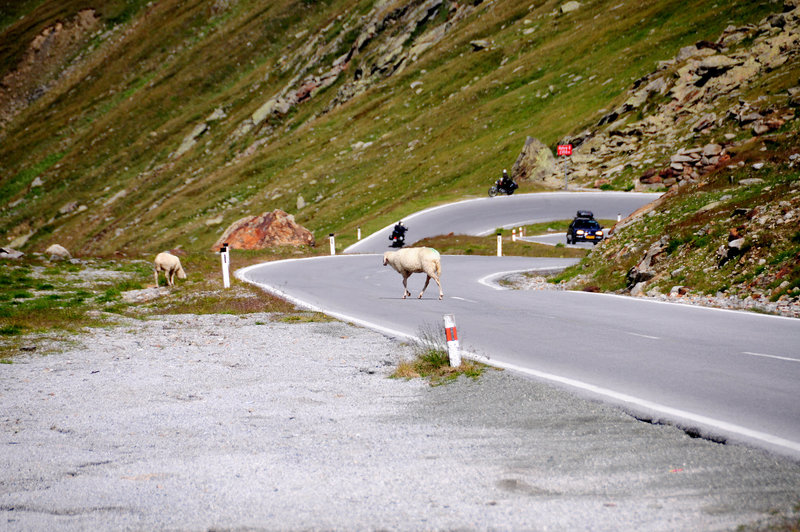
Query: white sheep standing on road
x=170 y=265
x=416 y=260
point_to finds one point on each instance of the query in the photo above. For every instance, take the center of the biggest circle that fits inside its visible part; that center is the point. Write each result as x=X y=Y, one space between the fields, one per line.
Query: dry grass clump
x=431 y=360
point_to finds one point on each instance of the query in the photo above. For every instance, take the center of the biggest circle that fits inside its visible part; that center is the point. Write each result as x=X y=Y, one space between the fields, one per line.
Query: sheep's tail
x=437 y=263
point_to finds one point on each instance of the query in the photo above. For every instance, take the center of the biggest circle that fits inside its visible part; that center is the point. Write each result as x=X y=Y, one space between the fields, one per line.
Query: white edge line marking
x=624 y=398
x=644 y=336
x=675 y=413
x=488 y=280
x=770 y=356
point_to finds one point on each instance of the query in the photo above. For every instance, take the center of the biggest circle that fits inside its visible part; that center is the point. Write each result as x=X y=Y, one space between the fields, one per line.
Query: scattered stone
x=57 y=252
x=569 y=7
x=10 y=253
x=638 y=289
x=480 y=44
x=146 y=294
x=214 y=221
x=68 y=208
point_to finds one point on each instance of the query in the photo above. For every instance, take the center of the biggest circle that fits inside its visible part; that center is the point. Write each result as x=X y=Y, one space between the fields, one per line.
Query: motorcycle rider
x=505 y=182
x=399 y=230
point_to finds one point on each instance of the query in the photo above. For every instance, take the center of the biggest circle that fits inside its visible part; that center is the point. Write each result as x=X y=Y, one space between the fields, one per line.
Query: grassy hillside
x=104 y=130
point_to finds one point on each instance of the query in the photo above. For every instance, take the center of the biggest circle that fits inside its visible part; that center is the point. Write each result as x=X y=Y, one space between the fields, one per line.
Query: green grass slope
x=93 y=162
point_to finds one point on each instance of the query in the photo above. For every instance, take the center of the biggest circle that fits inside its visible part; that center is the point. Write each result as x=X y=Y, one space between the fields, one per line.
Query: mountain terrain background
x=130 y=126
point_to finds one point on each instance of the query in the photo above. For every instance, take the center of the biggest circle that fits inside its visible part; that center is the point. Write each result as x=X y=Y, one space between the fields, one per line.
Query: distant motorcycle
x=398 y=241
x=500 y=188
x=398 y=237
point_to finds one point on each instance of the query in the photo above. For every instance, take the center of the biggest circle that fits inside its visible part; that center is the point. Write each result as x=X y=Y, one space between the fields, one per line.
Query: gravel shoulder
x=244 y=422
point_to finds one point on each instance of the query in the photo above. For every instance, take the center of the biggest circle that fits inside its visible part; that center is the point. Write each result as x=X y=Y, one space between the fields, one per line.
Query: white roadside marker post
x=333 y=243
x=514 y=234
x=359 y=233
x=499 y=244
x=452 y=340
x=226 y=264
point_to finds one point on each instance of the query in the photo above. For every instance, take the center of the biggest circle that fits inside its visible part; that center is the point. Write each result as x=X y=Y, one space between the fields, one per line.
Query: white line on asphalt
x=644 y=336
x=681 y=416
x=635 y=402
x=463 y=299
x=771 y=356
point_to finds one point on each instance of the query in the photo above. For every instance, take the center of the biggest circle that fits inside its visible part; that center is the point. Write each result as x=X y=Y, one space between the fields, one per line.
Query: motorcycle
x=500 y=188
x=398 y=239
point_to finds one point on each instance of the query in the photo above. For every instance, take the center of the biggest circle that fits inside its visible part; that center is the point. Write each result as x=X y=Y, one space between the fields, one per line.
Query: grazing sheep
x=416 y=260
x=170 y=265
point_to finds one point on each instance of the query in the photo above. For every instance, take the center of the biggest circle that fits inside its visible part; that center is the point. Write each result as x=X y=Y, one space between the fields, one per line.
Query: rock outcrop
x=388 y=40
x=697 y=93
x=536 y=164
x=269 y=229
x=43 y=63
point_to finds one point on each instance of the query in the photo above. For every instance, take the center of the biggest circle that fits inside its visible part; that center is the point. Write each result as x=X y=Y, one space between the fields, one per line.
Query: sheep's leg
x=155 y=273
x=406 y=293
x=436 y=278
x=431 y=273
x=170 y=278
x=427 y=280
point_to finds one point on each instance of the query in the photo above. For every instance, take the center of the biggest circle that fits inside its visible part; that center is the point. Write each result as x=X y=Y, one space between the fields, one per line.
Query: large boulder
x=57 y=252
x=537 y=164
x=269 y=229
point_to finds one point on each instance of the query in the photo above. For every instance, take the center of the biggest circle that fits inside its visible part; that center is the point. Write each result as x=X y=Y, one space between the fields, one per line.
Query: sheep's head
x=181 y=274
x=386 y=258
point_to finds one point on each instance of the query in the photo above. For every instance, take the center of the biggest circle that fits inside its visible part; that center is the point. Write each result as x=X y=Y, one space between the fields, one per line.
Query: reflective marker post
x=333 y=244
x=499 y=244
x=452 y=340
x=226 y=264
x=359 y=233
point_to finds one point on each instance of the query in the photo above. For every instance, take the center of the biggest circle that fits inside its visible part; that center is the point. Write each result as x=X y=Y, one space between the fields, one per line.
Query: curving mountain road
x=483 y=216
x=723 y=374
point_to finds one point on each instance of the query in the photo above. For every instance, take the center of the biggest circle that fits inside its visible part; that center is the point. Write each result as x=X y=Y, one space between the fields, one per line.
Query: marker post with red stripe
x=452 y=340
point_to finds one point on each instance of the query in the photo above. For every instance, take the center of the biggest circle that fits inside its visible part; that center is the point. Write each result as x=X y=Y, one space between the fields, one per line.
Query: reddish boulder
x=269 y=229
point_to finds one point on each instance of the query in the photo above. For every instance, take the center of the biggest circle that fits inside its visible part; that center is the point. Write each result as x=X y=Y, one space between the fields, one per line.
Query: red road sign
x=564 y=149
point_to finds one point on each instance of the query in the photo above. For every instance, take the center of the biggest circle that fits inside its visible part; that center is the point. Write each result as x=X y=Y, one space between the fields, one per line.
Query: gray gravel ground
x=242 y=422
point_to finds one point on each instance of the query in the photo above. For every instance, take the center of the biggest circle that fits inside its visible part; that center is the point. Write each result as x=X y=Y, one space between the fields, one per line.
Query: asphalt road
x=725 y=375
x=483 y=216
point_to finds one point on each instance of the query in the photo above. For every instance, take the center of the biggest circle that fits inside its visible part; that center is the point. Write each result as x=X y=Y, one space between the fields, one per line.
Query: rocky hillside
x=715 y=127
x=134 y=126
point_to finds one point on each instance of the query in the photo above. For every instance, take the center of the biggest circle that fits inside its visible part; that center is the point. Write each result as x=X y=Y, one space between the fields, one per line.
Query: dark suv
x=584 y=228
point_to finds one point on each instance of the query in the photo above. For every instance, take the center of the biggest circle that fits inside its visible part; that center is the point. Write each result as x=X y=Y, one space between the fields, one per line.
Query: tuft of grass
x=431 y=360
x=11 y=330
